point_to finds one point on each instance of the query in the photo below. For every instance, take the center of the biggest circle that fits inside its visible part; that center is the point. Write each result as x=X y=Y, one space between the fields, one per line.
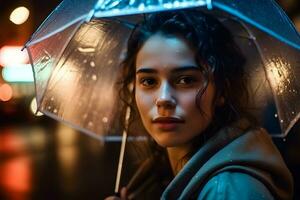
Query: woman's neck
x=177 y=157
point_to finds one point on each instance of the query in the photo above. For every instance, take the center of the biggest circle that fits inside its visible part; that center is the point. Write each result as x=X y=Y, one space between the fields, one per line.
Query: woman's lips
x=167 y=123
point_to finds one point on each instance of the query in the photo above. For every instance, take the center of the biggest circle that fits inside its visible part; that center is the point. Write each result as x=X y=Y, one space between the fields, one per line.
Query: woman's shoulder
x=231 y=185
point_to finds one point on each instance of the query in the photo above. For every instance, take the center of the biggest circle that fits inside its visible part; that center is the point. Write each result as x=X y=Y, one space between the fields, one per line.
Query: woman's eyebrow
x=186 y=68
x=145 y=70
x=176 y=70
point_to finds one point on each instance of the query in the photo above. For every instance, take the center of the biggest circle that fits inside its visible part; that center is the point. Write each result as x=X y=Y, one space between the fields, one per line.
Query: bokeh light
x=12 y=55
x=6 y=92
x=19 y=15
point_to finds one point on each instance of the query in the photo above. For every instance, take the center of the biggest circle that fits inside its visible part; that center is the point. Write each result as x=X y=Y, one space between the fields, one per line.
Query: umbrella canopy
x=76 y=54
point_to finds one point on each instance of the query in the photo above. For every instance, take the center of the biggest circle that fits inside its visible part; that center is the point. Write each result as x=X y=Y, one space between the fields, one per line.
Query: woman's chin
x=167 y=142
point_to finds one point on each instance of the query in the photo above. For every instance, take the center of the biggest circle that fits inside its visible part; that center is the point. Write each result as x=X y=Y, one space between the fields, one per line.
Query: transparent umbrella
x=76 y=53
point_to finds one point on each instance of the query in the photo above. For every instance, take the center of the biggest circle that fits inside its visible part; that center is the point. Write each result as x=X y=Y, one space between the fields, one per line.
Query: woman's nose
x=165 y=98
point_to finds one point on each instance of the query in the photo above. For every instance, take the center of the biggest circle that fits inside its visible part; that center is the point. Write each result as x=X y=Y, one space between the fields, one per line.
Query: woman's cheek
x=142 y=101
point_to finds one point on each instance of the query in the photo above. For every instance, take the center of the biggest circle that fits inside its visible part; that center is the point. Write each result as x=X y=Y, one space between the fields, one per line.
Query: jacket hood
x=234 y=148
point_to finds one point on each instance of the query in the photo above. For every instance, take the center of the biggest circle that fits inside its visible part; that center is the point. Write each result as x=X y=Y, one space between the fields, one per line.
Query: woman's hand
x=123 y=195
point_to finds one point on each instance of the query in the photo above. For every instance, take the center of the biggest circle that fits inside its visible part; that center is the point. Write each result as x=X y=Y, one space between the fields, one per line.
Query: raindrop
x=85 y=61
x=92 y=64
x=85 y=116
x=49 y=107
x=86 y=49
x=293 y=112
x=52 y=99
x=55 y=111
x=104 y=119
x=284 y=139
x=281 y=121
x=176 y=4
x=94 y=77
x=275 y=115
x=167 y=5
x=90 y=124
x=141 y=7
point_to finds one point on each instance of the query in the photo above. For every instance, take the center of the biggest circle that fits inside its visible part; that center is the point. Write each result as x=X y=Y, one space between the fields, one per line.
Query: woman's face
x=167 y=83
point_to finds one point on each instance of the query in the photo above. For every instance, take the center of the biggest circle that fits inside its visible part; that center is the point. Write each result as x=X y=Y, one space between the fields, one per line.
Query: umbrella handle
x=122 y=150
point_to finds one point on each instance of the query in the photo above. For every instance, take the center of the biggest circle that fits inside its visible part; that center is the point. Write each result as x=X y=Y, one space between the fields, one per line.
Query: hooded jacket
x=238 y=162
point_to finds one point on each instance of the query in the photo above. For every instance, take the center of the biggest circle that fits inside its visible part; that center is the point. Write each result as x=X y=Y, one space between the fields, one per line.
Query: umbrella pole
x=122 y=151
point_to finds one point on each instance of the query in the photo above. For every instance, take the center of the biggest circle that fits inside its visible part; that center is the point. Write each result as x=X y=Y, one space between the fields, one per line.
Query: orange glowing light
x=12 y=55
x=6 y=92
x=16 y=177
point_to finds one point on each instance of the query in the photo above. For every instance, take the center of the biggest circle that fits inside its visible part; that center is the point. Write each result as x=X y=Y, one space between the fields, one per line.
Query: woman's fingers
x=123 y=193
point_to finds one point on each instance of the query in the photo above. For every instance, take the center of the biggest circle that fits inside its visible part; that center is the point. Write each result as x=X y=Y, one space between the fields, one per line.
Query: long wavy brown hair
x=216 y=53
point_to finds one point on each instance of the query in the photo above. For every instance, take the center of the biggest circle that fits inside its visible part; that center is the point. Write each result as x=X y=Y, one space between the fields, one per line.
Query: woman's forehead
x=165 y=52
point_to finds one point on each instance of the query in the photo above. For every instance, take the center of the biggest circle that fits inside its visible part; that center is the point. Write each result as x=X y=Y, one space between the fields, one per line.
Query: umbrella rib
x=30 y=42
x=250 y=21
x=59 y=57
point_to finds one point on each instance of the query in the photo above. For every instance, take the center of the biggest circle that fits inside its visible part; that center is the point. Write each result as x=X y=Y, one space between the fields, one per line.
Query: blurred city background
x=43 y=159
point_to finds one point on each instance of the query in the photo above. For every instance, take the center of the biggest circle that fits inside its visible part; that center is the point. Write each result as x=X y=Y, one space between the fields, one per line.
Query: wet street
x=52 y=161
x=55 y=162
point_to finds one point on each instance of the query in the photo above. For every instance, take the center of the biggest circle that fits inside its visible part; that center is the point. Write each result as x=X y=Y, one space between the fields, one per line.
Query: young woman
x=191 y=95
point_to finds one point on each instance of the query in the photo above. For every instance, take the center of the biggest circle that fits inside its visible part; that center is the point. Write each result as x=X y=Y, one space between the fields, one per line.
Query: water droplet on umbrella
x=92 y=64
x=85 y=116
x=104 y=119
x=90 y=124
x=141 y=7
x=86 y=49
x=94 y=77
x=176 y=4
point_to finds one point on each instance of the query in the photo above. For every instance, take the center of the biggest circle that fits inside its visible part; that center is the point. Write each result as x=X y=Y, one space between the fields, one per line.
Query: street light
x=19 y=15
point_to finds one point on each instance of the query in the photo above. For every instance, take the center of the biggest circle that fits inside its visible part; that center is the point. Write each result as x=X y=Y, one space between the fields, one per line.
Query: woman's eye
x=147 y=82
x=186 y=80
